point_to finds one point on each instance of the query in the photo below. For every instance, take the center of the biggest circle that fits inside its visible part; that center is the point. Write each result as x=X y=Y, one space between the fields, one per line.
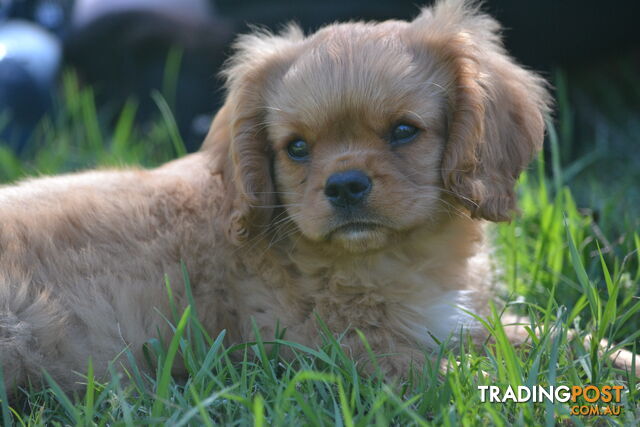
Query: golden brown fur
x=82 y=257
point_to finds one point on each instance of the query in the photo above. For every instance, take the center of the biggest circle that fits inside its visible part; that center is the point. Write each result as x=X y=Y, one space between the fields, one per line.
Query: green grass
x=560 y=265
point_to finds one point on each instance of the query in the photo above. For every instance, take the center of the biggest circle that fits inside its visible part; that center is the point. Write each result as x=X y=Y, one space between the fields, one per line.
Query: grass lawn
x=567 y=265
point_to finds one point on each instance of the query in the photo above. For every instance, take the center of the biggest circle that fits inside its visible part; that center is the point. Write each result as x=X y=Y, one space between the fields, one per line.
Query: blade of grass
x=588 y=288
x=162 y=390
x=258 y=411
x=4 y=401
x=262 y=352
x=171 y=74
x=89 y=394
x=200 y=407
x=124 y=126
x=62 y=398
x=344 y=405
x=170 y=123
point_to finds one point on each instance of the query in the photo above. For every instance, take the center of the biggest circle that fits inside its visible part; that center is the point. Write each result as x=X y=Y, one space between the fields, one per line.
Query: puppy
x=347 y=177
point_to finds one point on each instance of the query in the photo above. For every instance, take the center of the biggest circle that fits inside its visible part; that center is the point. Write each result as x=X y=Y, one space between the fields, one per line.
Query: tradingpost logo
x=587 y=400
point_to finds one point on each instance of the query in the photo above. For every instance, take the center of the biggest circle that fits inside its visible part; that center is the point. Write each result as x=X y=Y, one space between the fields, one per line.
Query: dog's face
x=363 y=132
x=356 y=127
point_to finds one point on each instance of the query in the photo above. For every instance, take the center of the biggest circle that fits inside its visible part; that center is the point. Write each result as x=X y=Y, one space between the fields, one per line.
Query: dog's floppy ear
x=496 y=107
x=239 y=128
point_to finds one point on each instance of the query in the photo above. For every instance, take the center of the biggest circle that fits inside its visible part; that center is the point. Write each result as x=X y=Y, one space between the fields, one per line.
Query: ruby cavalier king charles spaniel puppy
x=347 y=178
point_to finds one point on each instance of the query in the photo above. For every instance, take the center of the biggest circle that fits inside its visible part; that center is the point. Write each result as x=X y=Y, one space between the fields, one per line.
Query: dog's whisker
x=277 y=239
x=270 y=228
x=291 y=219
x=282 y=214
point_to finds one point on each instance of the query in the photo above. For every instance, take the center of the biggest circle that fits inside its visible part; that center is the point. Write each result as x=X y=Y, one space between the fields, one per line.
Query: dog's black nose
x=347 y=188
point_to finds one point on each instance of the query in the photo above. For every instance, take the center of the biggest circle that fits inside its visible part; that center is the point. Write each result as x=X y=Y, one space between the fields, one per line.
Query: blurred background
x=138 y=78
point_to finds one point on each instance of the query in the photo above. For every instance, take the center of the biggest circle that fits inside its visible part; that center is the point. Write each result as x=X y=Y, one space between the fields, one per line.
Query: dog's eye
x=402 y=134
x=298 y=150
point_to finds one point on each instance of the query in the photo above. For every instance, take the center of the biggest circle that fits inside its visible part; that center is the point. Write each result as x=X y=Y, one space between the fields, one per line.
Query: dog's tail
x=29 y=326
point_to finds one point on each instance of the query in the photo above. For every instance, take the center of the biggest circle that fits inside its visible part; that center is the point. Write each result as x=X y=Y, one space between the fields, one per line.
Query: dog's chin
x=360 y=237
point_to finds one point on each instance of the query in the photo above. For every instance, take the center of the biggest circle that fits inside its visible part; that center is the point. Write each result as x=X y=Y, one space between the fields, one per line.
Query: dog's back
x=68 y=245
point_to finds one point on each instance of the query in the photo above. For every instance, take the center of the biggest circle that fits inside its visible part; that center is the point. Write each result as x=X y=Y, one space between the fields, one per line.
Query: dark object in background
x=122 y=50
x=52 y=15
x=29 y=61
x=540 y=33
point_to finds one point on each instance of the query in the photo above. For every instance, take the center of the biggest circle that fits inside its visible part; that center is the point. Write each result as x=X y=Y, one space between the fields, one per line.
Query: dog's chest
x=415 y=300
